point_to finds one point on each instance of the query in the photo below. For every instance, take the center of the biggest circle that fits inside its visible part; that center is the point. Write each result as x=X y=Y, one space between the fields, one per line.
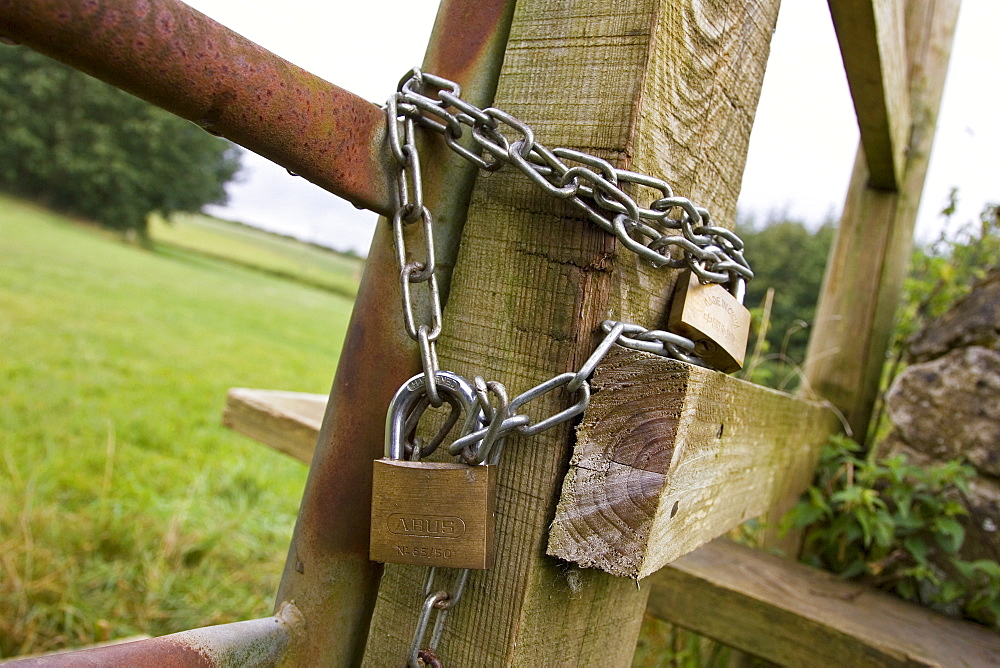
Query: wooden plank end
x=286 y=421
x=669 y=456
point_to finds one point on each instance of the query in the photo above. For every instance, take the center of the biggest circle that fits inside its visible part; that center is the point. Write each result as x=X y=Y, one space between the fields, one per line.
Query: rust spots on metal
x=376 y=358
x=338 y=586
x=430 y=659
x=177 y=58
x=151 y=652
x=464 y=31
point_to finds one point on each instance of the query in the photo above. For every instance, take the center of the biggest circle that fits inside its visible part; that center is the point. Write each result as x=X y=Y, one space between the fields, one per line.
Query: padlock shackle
x=458 y=392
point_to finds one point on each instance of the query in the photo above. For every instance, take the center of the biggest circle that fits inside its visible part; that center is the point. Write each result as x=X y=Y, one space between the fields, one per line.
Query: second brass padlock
x=432 y=513
x=715 y=320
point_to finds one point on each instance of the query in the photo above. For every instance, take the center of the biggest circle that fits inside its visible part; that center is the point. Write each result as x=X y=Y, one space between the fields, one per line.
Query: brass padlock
x=432 y=513
x=714 y=319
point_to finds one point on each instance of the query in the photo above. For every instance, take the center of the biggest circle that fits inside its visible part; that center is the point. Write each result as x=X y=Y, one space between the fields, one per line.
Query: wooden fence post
x=664 y=87
x=870 y=258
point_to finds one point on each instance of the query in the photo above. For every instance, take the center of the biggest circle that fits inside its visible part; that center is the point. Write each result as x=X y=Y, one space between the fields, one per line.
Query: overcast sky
x=801 y=150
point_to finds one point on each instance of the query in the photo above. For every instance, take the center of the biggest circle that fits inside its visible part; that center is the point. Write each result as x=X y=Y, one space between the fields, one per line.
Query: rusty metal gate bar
x=258 y=642
x=175 y=57
x=328 y=573
x=179 y=59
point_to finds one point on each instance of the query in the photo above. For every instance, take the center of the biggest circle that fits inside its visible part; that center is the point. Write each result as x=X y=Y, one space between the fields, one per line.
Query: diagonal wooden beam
x=871 y=254
x=873 y=45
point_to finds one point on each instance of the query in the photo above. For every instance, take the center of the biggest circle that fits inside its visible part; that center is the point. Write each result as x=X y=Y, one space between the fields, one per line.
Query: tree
x=83 y=147
x=787 y=256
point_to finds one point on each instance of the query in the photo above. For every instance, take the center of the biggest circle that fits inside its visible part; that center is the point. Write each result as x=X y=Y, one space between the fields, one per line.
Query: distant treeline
x=789 y=257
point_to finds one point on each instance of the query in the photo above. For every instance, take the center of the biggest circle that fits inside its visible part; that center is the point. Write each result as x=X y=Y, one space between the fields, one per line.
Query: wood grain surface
x=669 y=88
x=787 y=612
x=286 y=421
x=865 y=272
x=794 y=615
x=670 y=455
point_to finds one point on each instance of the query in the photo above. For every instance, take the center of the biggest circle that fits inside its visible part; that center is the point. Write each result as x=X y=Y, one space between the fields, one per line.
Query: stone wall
x=946 y=404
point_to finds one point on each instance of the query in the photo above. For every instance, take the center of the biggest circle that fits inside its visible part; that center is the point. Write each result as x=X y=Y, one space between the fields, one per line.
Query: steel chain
x=435 y=600
x=415 y=271
x=593 y=186
x=669 y=224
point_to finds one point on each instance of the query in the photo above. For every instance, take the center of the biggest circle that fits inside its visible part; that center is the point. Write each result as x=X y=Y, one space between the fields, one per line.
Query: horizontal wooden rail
x=794 y=615
x=777 y=609
x=669 y=456
x=287 y=421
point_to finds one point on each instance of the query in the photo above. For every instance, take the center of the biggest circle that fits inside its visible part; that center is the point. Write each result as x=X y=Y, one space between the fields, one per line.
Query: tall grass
x=124 y=506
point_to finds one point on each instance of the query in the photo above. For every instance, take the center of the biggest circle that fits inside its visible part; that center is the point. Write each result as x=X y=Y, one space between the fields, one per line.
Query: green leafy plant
x=663 y=645
x=944 y=271
x=896 y=526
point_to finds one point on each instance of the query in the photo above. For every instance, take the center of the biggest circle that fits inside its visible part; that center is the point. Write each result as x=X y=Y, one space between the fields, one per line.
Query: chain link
x=414 y=272
x=472 y=447
x=438 y=600
x=670 y=231
x=592 y=185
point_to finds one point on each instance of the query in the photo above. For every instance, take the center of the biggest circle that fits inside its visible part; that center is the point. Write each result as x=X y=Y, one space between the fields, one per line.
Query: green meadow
x=279 y=256
x=125 y=506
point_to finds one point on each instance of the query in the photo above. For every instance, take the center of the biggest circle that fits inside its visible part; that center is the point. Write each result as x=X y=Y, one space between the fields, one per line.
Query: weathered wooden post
x=668 y=88
x=870 y=258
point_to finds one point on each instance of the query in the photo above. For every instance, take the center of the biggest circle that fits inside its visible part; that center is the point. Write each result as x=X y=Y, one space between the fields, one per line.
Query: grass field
x=124 y=506
x=279 y=256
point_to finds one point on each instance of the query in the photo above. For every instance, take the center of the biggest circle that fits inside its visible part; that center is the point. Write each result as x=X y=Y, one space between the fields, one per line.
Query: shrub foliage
x=884 y=520
x=896 y=525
